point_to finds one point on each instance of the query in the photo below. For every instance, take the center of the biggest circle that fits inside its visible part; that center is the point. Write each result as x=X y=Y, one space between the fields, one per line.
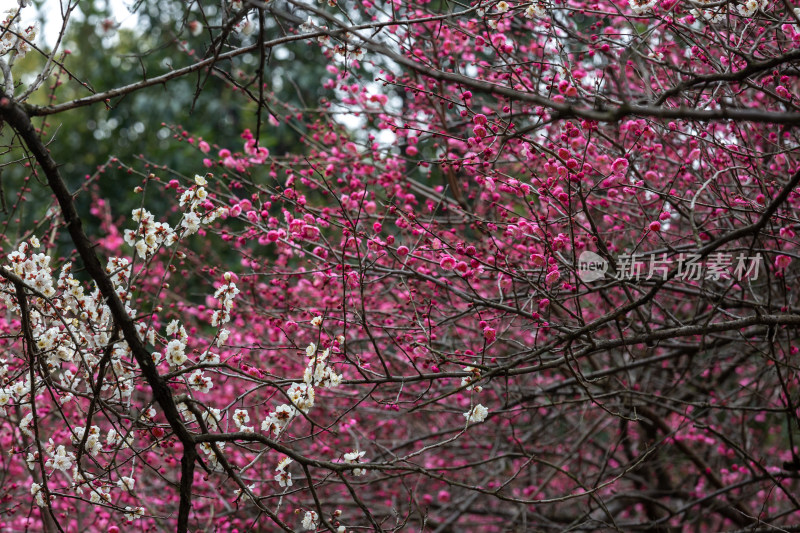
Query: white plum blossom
x=5 y=399
x=209 y=358
x=241 y=417
x=133 y=513
x=150 y=235
x=748 y=8
x=38 y=494
x=225 y=295
x=206 y=448
x=302 y=396
x=535 y=10
x=354 y=457
x=642 y=6
x=468 y=380
x=24 y=424
x=222 y=336
x=283 y=477
x=93 y=443
x=175 y=353
x=172 y=327
x=307 y=26
x=310 y=521
x=190 y=223
x=476 y=414
x=279 y=419
x=15 y=38
x=99 y=494
x=311 y=349
x=200 y=382
x=32 y=460
x=318 y=372
x=61 y=460
x=245 y=496
x=126 y=483
x=713 y=16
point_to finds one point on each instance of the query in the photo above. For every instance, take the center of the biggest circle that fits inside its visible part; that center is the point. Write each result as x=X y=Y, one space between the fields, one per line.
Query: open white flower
x=535 y=10
x=175 y=353
x=748 y=8
x=642 y=6
x=200 y=382
x=476 y=414
x=310 y=521
x=354 y=457
x=61 y=460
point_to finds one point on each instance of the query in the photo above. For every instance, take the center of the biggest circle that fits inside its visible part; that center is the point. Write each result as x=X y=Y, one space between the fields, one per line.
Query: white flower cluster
x=469 y=380
x=93 y=444
x=211 y=418
x=25 y=425
x=225 y=295
x=100 y=494
x=717 y=14
x=150 y=235
x=278 y=419
x=749 y=8
x=200 y=382
x=126 y=483
x=212 y=460
x=310 y=521
x=642 y=6
x=302 y=396
x=36 y=492
x=353 y=458
x=13 y=37
x=72 y=329
x=15 y=394
x=200 y=210
x=133 y=513
x=346 y=49
x=241 y=417
x=536 y=10
x=34 y=270
x=318 y=373
x=713 y=15
x=60 y=459
x=115 y=440
x=175 y=351
x=283 y=477
x=5 y=399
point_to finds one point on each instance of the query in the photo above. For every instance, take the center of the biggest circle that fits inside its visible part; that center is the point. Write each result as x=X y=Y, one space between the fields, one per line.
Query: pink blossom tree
x=540 y=277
